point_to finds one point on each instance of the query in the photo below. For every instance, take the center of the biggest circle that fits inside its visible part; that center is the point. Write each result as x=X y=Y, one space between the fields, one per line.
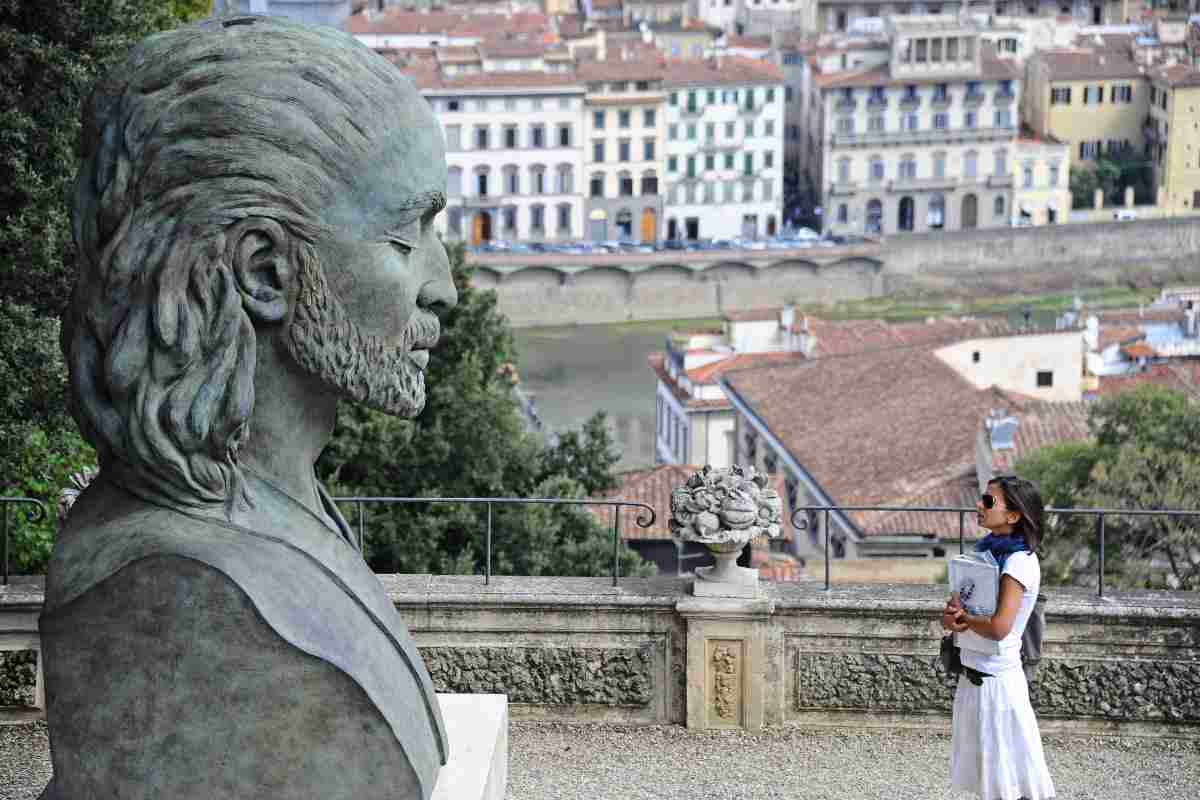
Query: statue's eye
x=403 y=245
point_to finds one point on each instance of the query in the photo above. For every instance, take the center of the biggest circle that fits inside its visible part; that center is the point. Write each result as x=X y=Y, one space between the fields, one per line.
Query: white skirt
x=996 y=750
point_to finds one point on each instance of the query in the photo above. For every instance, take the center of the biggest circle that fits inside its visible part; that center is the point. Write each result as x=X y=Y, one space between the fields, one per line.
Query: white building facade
x=514 y=156
x=724 y=149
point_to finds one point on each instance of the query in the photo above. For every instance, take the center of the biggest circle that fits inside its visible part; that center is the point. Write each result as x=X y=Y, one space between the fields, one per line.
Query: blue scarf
x=1001 y=547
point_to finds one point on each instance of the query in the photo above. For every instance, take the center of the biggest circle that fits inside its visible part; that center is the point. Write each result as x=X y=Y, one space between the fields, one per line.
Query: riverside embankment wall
x=564 y=290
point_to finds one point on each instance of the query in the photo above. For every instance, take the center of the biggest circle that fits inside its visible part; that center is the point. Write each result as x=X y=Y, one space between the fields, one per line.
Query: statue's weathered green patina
x=254 y=218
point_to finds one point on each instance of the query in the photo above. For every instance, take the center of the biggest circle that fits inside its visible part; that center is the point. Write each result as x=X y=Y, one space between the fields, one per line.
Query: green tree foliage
x=1112 y=173
x=470 y=441
x=40 y=446
x=53 y=52
x=1145 y=454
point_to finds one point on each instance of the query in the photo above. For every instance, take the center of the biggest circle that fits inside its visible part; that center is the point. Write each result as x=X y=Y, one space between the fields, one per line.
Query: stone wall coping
x=665 y=593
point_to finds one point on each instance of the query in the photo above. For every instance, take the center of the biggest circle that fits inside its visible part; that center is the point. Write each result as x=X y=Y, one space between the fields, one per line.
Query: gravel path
x=551 y=761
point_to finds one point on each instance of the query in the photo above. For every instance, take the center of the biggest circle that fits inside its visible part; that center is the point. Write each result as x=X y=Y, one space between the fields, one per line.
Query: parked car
x=806 y=233
x=674 y=244
x=1125 y=214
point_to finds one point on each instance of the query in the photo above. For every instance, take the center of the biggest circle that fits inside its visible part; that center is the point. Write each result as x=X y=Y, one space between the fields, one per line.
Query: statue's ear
x=259 y=251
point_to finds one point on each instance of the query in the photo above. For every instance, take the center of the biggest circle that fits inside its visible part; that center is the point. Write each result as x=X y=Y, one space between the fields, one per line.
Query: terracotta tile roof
x=837 y=338
x=732 y=69
x=653 y=487
x=1139 y=350
x=749 y=42
x=606 y=5
x=401 y=22
x=1041 y=425
x=523 y=48
x=1182 y=376
x=497 y=80
x=957 y=491
x=1085 y=63
x=1179 y=76
x=613 y=70
x=871 y=427
x=709 y=373
x=656 y=362
x=779 y=568
x=1117 y=334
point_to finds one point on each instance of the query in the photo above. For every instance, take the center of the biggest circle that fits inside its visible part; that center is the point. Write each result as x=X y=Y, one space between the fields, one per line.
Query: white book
x=976 y=578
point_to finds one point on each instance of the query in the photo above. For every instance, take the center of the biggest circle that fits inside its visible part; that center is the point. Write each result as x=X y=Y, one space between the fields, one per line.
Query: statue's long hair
x=200 y=127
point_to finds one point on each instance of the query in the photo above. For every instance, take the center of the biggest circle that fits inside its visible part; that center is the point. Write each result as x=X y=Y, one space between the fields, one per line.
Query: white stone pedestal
x=477 y=727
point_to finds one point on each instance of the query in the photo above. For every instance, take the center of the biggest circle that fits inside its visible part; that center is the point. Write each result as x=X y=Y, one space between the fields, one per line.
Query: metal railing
x=642 y=520
x=35 y=513
x=805 y=516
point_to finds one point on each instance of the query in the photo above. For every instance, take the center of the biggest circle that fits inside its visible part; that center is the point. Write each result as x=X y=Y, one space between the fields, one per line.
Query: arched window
x=624 y=224
x=905 y=214
x=874 y=216
x=649 y=183
x=512 y=180
x=565 y=177
x=537 y=179
x=998 y=206
x=625 y=184
x=454 y=182
x=935 y=215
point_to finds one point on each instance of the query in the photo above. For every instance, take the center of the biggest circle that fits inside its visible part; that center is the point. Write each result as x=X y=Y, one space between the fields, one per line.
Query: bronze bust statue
x=254 y=220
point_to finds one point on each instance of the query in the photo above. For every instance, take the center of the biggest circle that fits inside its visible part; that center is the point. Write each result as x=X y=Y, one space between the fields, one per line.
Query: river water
x=573 y=372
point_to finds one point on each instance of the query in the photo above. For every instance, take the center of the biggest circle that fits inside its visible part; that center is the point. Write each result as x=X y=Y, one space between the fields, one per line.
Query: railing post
x=961 y=525
x=1100 y=560
x=616 y=543
x=827 y=549
x=487 y=574
x=361 y=527
x=4 y=536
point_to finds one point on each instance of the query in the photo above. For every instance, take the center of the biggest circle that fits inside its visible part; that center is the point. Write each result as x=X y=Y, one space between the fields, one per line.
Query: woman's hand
x=952 y=614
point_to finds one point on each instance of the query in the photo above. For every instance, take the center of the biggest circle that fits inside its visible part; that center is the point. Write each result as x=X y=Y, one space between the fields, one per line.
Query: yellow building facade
x=1174 y=138
x=623 y=140
x=1093 y=100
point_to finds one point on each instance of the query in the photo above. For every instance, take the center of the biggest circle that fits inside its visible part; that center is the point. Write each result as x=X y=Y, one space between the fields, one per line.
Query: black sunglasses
x=988 y=500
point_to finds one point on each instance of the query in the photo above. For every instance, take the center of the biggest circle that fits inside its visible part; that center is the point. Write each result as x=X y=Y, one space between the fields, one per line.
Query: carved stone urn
x=723 y=509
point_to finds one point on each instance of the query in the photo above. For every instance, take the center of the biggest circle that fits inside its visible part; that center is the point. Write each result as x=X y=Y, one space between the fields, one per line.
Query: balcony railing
x=877 y=103
x=974 y=98
x=1000 y=181
x=923 y=136
x=1002 y=98
x=35 y=511
x=910 y=103
x=644 y=519
x=844 y=104
x=943 y=101
x=804 y=518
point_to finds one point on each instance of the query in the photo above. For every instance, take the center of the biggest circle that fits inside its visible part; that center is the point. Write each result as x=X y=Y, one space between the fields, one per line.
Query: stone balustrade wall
x=648 y=652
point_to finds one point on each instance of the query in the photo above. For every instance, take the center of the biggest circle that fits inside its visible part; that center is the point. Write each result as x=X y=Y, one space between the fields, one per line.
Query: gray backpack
x=1031 y=639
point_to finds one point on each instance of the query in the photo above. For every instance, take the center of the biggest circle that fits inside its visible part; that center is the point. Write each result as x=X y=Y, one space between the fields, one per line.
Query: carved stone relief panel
x=726 y=666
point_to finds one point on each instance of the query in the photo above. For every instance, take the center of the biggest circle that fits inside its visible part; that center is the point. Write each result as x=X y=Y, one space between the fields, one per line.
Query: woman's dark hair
x=1023 y=497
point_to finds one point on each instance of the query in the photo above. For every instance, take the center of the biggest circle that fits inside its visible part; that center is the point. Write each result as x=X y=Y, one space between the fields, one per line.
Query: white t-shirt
x=994 y=657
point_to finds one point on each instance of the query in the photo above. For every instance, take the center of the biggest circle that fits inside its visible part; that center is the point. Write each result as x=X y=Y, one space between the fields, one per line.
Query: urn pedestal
x=726 y=578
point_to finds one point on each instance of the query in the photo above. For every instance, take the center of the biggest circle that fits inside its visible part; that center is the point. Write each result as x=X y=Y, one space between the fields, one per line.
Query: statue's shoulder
x=109 y=529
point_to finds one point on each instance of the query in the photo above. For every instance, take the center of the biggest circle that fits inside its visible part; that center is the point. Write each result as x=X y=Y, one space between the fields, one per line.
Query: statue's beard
x=332 y=347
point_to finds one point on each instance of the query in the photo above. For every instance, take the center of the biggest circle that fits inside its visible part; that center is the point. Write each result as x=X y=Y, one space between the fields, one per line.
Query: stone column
x=726 y=661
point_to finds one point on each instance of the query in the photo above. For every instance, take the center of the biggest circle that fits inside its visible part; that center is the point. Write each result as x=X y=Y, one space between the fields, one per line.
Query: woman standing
x=996 y=748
